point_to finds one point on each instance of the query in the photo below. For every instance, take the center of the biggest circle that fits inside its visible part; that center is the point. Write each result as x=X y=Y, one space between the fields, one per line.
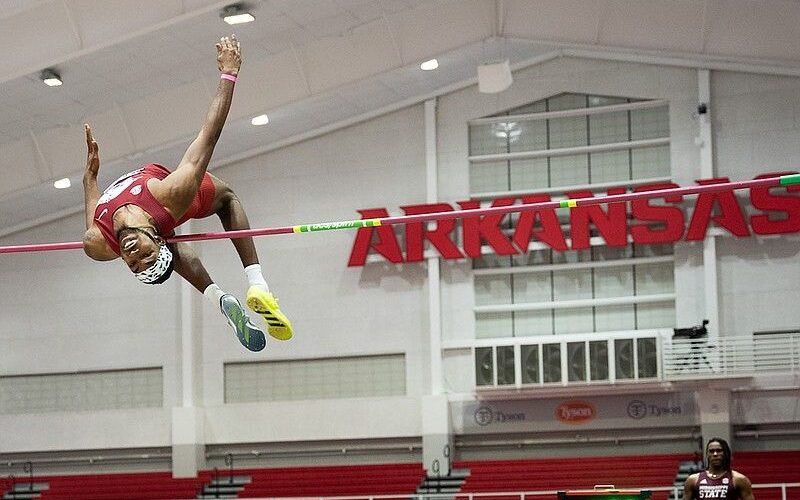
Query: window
x=566 y=143
x=345 y=377
x=83 y=391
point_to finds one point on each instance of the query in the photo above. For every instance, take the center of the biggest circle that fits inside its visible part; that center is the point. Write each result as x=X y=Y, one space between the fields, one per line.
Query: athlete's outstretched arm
x=179 y=188
x=94 y=244
x=229 y=60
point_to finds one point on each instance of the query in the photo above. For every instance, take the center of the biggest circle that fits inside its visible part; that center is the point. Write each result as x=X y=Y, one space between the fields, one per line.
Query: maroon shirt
x=131 y=189
x=721 y=488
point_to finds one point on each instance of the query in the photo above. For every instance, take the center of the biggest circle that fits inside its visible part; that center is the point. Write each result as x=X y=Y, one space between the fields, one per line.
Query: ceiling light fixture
x=62 y=183
x=50 y=78
x=429 y=65
x=236 y=14
x=259 y=120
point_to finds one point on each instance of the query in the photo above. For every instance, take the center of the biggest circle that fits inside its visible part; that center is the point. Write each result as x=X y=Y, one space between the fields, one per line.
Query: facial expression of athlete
x=716 y=454
x=138 y=248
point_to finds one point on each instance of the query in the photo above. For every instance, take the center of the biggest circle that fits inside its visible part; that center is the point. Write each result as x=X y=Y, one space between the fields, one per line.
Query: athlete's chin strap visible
x=162 y=264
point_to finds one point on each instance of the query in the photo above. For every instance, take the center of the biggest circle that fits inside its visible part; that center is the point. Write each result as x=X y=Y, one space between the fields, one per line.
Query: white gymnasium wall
x=62 y=312
x=757 y=130
x=335 y=310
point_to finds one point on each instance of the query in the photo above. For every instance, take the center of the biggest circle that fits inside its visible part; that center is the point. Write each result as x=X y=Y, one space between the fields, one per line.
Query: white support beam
x=574 y=304
x=705 y=139
x=564 y=113
x=679 y=59
x=576 y=150
x=190 y=344
x=571 y=266
x=434 y=278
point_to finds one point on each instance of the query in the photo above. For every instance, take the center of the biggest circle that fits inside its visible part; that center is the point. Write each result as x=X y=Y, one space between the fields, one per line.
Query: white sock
x=255 y=278
x=213 y=293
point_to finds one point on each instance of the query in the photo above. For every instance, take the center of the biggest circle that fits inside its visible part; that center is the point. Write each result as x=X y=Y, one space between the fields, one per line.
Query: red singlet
x=131 y=189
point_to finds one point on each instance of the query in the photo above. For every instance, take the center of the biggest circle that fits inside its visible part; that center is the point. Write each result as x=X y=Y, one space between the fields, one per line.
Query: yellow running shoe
x=265 y=304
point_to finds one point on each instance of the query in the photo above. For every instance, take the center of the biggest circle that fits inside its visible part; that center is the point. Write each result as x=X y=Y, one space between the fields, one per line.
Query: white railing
x=624 y=357
x=522 y=495
x=731 y=356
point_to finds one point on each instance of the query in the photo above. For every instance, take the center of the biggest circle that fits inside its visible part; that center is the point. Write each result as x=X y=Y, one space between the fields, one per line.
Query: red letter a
x=386 y=244
x=730 y=216
x=550 y=233
x=612 y=225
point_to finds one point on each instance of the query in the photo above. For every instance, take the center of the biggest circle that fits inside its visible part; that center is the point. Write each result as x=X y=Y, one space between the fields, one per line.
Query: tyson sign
x=575 y=412
x=776 y=211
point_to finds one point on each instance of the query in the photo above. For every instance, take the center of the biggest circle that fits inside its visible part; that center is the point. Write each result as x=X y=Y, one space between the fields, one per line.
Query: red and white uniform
x=131 y=189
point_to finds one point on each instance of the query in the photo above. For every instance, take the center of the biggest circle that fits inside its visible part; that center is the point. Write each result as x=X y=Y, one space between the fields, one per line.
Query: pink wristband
x=226 y=76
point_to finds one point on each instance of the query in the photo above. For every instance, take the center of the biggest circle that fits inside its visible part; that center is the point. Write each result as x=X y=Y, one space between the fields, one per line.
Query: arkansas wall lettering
x=776 y=211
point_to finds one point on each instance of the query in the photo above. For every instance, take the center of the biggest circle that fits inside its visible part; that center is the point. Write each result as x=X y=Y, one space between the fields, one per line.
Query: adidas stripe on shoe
x=266 y=305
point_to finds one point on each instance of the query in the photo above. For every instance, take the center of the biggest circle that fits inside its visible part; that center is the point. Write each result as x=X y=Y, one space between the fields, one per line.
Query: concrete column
x=188 y=447
x=706 y=142
x=188 y=444
x=436 y=435
x=434 y=284
x=715 y=414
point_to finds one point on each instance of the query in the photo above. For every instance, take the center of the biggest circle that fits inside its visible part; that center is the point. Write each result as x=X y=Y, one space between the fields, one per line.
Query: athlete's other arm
x=688 y=487
x=94 y=244
x=742 y=483
x=189 y=266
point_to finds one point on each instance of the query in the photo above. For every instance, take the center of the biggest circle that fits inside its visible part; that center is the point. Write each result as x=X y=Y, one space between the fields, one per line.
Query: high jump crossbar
x=770 y=182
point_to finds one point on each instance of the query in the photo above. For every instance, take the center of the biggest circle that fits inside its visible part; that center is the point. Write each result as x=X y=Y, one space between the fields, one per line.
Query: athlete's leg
x=259 y=299
x=233 y=218
x=190 y=268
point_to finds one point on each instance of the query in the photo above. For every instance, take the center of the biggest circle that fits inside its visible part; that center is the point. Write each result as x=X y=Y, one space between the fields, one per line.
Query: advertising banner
x=559 y=414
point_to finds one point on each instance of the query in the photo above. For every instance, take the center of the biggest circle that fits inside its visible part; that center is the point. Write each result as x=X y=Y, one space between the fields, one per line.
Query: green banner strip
x=790 y=179
x=331 y=226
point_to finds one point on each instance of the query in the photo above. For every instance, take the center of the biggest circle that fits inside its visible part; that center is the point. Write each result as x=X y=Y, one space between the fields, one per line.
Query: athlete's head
x=718 y=453
x=146 y=254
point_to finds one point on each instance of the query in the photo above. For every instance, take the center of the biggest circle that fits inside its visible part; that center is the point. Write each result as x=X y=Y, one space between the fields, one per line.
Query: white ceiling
x=143 y=72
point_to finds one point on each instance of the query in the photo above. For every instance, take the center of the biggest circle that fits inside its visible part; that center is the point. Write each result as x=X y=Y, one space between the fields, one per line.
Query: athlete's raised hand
x=229 y=55
x=92 y=153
